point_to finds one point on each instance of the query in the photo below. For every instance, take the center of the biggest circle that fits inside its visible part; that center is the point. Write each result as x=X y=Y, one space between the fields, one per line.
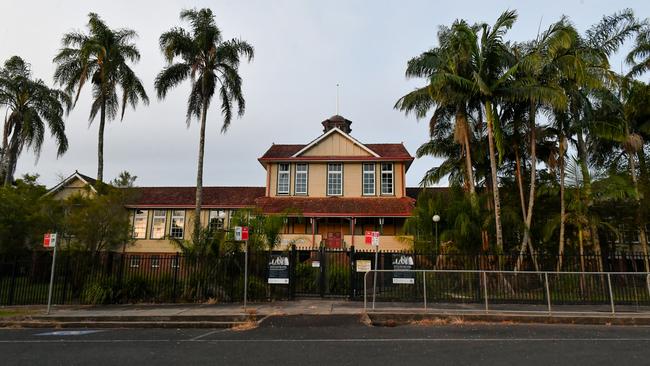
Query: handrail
x=483 y=274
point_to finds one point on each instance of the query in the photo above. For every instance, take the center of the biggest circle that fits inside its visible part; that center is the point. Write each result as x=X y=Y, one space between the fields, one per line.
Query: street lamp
x=436 y=218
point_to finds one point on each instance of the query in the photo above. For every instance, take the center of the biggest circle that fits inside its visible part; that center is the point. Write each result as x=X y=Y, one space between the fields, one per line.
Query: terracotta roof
x=338 y=206
x=392 y=151
x=185 y=196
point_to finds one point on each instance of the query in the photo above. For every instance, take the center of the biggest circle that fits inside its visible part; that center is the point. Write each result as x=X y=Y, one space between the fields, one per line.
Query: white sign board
x=238 y=231
x=375 y=238
x=364 y=265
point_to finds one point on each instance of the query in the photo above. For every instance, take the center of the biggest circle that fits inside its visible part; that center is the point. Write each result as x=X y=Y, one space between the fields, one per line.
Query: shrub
x=99 y=291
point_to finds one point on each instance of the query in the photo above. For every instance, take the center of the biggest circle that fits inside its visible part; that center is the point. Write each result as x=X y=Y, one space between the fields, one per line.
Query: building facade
x=331 y=190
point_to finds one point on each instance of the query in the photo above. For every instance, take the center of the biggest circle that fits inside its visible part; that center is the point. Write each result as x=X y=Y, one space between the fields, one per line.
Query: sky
x=303 y=49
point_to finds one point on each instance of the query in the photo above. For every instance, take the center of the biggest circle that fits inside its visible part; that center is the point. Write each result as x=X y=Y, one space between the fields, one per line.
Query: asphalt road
x=331 y=341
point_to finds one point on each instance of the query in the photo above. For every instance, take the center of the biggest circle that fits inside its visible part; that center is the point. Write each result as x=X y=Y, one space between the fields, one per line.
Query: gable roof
x=285 y=152
x=184 y=197
x=76 y=175
x=332 y=131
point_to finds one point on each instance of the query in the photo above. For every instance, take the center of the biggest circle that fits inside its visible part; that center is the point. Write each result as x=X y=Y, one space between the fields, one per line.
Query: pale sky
x=302 y=50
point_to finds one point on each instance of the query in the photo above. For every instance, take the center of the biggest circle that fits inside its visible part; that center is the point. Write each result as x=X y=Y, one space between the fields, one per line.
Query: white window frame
x=219 y=216
x=334 y=174
x=157 y=216
x=284 y=174
x=387 y=173
x=175 y=262
x=155 y=261
x=302 y=172
x=140 y=214
x=176 y=216
x=134 y=261
x=368 y=173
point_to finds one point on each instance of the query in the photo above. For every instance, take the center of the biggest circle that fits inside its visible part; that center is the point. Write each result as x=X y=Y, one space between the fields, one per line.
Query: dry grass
x=247 y=325
x=453 y=320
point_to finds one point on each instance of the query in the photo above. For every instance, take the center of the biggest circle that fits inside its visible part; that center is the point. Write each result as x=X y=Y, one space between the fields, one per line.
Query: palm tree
x=210 y=63
x=592 y=52
x=30 y=106
x=621 y=118
x=452 y=57
x=101 y=56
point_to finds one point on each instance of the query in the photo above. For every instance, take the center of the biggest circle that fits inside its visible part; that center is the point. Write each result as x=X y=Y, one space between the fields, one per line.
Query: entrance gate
x=323 y=272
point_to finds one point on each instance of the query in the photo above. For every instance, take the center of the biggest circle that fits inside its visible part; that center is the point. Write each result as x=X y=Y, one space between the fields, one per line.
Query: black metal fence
x=113 y=278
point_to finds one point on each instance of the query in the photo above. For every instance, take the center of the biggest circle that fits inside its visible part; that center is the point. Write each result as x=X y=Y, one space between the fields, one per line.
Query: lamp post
x=436 y=219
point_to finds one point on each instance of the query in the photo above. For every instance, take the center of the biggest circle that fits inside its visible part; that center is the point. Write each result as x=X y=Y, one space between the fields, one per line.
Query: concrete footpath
x=234 y=315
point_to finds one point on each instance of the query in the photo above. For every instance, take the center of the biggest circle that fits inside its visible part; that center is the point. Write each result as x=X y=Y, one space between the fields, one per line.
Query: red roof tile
x=337 y=206
x=185 y=196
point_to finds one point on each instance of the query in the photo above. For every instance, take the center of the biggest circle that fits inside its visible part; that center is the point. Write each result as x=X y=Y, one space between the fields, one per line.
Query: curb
x=395 y=319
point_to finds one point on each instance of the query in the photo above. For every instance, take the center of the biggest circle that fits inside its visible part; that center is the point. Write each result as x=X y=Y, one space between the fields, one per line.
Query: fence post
x=176 y=266
x=485 y=291
x=424 y=288
x=548 y=292
x=322 y=271
x=292 y=271
x=611 y=296
x=352 y=284
x=12 y=287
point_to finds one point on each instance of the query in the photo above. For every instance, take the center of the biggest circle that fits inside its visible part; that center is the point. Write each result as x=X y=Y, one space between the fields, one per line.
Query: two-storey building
x=332 y=190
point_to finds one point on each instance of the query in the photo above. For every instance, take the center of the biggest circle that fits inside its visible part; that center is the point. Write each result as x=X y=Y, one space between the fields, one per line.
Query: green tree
x=101 y=56
x=23 y=218
x=30 y=106
x=212 y=65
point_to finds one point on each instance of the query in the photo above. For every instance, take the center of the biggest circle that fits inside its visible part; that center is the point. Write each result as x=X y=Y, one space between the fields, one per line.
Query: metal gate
x=322 y=272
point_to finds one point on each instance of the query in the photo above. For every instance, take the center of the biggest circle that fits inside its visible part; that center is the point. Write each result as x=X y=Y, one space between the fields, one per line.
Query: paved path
x=338 y=340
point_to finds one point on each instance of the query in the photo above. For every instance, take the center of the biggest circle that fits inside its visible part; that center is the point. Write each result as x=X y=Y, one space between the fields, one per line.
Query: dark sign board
x=403 y=262
x=278 y=269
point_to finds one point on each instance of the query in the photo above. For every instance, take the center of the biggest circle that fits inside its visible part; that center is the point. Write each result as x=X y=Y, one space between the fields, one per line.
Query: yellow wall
x=352 y=179
x=336 y=145
x=76 y=186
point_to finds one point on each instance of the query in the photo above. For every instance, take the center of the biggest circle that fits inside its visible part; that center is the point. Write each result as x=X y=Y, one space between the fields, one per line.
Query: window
x=175 y=263
x=368 y=179
x=140 y=224
x=387 y=178
x=283 y=178
x=217 y=220
x=158 y=224
x=334 y=179
x=155 y=261
x=135 y=261
x=178 y=224
x=301 y=178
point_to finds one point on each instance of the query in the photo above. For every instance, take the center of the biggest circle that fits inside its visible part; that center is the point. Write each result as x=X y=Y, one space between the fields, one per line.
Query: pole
x=245 y=273
x=374 y=283
x=485 y=289
x=548 y=292
x=424 y=288
x=49 y=295
x=437 y=241
x=611 y=295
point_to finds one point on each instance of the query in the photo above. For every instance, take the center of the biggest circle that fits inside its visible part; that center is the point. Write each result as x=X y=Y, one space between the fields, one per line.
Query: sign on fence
x=364 y=265
x=278 y=269
x=403 y=262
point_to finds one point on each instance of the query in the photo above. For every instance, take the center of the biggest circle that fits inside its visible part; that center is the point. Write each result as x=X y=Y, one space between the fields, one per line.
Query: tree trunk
x=199 y=173
x=531 y=194
x=100 y=142
x=11 y=155
x=586 y=182
x=461 y=118
x=495 y=183
x=562 y=204
x=643 y=240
